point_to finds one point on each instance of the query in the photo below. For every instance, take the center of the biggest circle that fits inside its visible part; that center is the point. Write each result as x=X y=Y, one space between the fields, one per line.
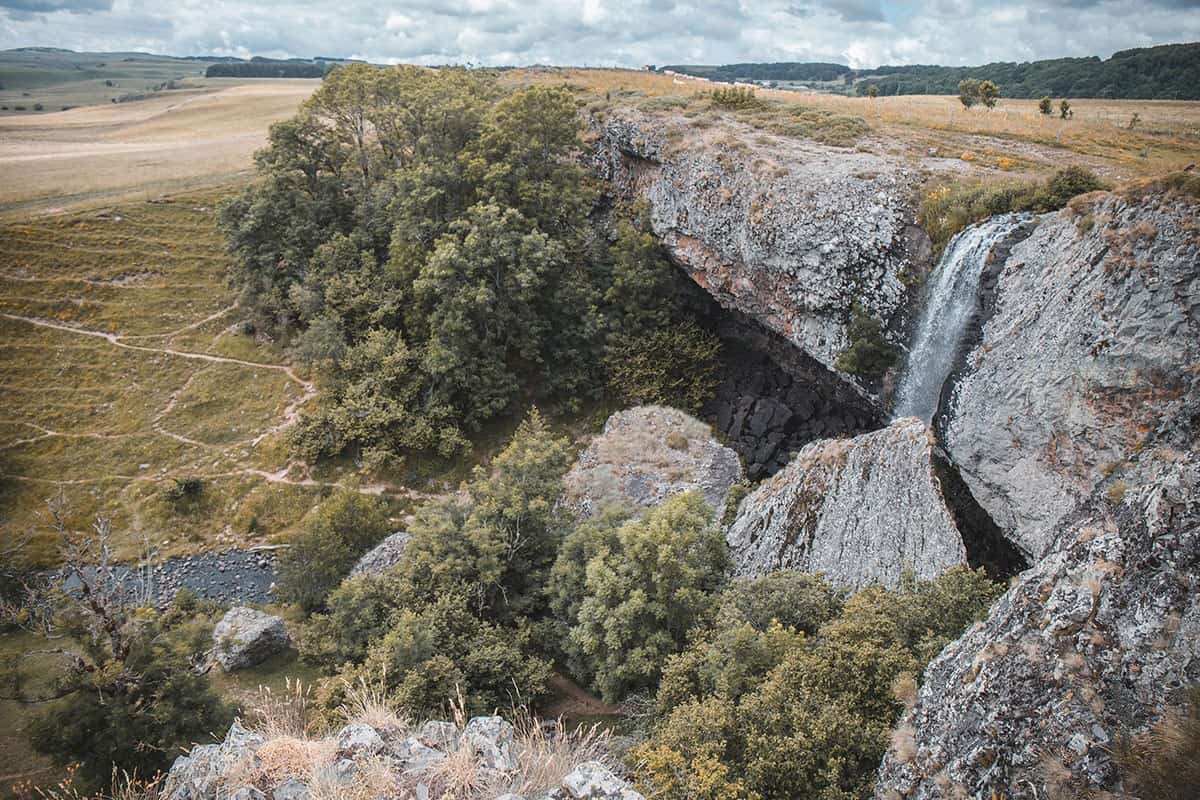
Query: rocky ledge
x=388 y=759
x=792 y=234
x=861 y=510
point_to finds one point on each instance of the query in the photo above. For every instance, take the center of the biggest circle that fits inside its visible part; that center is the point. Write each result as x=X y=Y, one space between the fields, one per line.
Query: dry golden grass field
x=173 y=141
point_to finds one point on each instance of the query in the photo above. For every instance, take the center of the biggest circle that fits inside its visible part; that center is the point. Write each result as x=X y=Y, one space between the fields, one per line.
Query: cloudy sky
x=861 y=33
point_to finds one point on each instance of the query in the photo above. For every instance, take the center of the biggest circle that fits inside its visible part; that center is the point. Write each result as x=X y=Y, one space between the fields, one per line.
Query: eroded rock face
x=245 y=637
x=1088 y=644
x=1093 y=340
x=861 y=510
x=791 y=234
x=647 y=454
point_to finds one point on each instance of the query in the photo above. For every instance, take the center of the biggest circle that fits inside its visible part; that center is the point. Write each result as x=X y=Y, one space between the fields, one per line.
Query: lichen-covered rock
x=382 y=556
x=357 y=739
x=592 y=780
x=245 y=637
x=860 y=510
x=492 y=739
x=647 y=454
x=1086 y=647
x=1091 y=340
x=792 y=233
x=202 y=773
x=290 y=789
x=438 y=733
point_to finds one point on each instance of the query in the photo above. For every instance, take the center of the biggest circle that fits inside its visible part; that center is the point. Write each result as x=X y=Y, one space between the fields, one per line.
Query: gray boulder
x=247 y=793
x=492 y=740
x=382 y=556
x=245 y=637
x=200 y=774
x=356 y=740
x=438 y=733
x=592 y=780
x=860 y=510
x=1088 y=646
x=647 y=454
x=291 y=789
x=1088 y=342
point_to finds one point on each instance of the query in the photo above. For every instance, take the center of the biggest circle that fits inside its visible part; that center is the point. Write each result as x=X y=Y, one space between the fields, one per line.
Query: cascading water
x=951 y=299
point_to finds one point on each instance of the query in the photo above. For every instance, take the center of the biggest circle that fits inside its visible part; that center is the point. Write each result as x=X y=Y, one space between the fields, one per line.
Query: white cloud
x=861 y=33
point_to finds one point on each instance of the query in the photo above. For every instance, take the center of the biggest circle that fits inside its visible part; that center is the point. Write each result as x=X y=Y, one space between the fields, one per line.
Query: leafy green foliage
x=734 y=98
x=869 y=355
x=424 y=239
x=673 y=366
x=758 y=708
x=132 y=697
x=1046 y=106
x=332 y=538
x=498 y=539
x=644 y=586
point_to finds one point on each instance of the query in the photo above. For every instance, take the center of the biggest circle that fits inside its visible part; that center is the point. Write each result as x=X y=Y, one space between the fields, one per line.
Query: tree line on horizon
x=1164 y=72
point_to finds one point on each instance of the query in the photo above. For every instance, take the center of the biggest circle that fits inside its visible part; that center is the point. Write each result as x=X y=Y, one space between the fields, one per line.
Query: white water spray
x=951 y=298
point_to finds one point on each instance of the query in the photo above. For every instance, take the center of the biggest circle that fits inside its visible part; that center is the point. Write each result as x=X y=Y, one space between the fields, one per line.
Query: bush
x=331 y=540
x=756 y=708
x=357 y=613
x=674 y=366
x=434 y=653
x=734 y=98
x=1046 y=106
x=644 y=592
x=869 y=355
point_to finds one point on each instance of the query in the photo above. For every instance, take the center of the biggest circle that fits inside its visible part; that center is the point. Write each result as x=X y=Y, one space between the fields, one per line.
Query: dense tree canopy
x=428 y=241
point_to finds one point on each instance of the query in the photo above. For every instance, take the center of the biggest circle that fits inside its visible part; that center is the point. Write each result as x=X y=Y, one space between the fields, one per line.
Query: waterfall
x=951 y=299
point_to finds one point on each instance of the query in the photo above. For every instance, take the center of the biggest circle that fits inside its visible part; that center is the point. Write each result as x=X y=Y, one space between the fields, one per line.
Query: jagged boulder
x=647 y=454
x=791 y=233
x=382 y=556
x=592 y=780
x=203 y=773
x=1087 y=646
x=492 y=740
x=860 y=510
x=1090 y=339
x=245 y=637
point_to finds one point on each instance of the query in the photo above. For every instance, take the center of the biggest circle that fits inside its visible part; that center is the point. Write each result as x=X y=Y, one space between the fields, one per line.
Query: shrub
x=1164 y=763
x=1064 y=109
x=1046 y=106
x=357 y=613
x=435 y=652
x=644 y=593
x=756 y=708
x=332 y=538
x=675 y=366
x=840 y=129
x=869 y=355
x=734 y=98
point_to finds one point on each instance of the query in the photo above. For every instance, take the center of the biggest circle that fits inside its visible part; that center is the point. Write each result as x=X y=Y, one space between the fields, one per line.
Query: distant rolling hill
x=1164 y=72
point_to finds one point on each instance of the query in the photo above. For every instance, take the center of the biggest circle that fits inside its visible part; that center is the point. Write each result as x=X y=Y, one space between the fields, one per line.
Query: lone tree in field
x=872 y=91
x=1046 y=106
x=1064 y=110
x=989 y=93
x=968 y=92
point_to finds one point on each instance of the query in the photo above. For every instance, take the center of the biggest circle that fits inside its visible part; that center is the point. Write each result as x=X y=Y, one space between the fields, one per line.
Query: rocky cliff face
x=791 y=234
x=1088 y=644
x=1091 y=341
x=860 y=510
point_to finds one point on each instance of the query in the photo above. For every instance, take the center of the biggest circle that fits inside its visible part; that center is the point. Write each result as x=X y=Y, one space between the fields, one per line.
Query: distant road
x=100 y=154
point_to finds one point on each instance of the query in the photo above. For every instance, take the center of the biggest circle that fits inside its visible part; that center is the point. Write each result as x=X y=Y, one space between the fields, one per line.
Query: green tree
x=1064 y=109
x=869 y=355
x=332 y=538
x=968 y=92
x=643 y=596
x=1045 y=105
x=872 y=91
x=989 y=93
x=499 y=538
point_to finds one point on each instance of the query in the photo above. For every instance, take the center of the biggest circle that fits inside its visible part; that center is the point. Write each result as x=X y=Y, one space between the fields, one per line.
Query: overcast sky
x=861 y=33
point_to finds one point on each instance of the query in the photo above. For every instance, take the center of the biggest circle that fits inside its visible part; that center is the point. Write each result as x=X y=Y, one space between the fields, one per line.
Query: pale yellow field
x=176 y=141
x=1166 y=136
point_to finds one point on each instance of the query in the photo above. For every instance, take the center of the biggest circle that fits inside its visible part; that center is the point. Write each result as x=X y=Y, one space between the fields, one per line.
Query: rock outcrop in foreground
x=1093 y=340
x=434 y=761
x=1088 y=644
x=791 y=234
x=245 y=637
x=647 y=454
x=860 y=510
